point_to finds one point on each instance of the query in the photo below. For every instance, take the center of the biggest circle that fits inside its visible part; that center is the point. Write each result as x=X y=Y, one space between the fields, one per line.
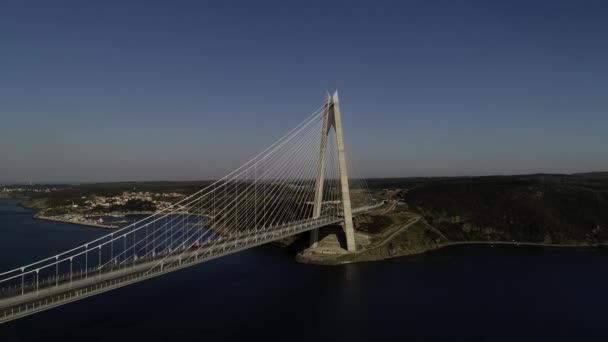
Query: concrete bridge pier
x=333 y=118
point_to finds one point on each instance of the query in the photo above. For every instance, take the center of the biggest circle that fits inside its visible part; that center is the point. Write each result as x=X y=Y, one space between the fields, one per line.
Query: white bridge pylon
x=332 y=119
x=298 y=184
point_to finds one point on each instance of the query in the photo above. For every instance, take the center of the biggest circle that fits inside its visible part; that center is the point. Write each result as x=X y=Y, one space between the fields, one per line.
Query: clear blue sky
x=177 y=90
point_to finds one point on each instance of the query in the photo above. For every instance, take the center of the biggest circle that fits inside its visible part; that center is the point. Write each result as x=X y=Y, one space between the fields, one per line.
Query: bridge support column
x=349 y=229
x=333 y=119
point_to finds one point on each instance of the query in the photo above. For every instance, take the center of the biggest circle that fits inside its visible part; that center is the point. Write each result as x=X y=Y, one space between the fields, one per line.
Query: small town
x=91 y=209
x=158 y=201
x=95 y=210
x=9 y=190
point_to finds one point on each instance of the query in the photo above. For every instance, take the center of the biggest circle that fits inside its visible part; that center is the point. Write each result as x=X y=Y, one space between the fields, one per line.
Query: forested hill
x=535 y=208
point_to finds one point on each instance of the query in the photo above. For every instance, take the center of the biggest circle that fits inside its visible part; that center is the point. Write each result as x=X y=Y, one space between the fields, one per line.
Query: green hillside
x=537 y=208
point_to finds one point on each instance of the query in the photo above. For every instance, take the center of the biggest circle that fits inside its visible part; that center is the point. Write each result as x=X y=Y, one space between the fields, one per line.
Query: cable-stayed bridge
x=298 y=184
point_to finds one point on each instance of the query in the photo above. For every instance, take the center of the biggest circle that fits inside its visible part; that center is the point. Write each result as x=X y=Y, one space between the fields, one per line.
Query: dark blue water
x=478 y=293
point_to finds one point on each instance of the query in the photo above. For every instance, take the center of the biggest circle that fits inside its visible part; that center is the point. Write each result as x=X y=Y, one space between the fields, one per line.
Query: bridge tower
x=332 y=118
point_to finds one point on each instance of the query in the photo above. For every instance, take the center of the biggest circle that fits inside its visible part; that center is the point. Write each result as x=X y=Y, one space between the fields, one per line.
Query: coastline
x=538 y=244
x=40 y=216
x=412 y=237
x=377 y=253
x=425 y=249
x=37 y=216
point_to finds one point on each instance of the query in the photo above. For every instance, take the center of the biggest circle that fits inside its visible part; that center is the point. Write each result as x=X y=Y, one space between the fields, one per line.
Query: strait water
x=465 y=293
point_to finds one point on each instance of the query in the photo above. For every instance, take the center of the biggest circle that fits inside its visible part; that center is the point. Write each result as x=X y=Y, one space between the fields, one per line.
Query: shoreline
x=39 y=216
x=504 y=243
x=336 y=262
x=333 y=261
x=87 y=224
x=537 y=244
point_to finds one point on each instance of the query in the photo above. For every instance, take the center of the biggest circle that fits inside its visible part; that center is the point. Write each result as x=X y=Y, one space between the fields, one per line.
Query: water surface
x=461 y=293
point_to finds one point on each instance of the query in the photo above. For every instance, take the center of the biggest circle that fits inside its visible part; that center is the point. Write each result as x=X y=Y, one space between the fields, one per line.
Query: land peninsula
x=418 y=214
x=423 y=214
x=100 y=205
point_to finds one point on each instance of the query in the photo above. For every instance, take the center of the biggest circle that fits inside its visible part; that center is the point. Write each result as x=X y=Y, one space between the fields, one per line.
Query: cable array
x=265 y=197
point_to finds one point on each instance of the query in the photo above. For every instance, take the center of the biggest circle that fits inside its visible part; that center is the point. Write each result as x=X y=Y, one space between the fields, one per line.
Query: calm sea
x=461 y=293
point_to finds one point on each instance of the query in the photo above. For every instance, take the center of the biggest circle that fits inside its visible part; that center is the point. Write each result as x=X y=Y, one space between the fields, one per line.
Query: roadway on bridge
x=22 y=305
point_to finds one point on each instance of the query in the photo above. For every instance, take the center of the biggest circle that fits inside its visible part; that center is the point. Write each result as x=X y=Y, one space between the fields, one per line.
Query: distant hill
x=534 y=208
x=592 y=174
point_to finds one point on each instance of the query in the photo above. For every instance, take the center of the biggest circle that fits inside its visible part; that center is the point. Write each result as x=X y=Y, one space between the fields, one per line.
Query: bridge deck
x=19 y=305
